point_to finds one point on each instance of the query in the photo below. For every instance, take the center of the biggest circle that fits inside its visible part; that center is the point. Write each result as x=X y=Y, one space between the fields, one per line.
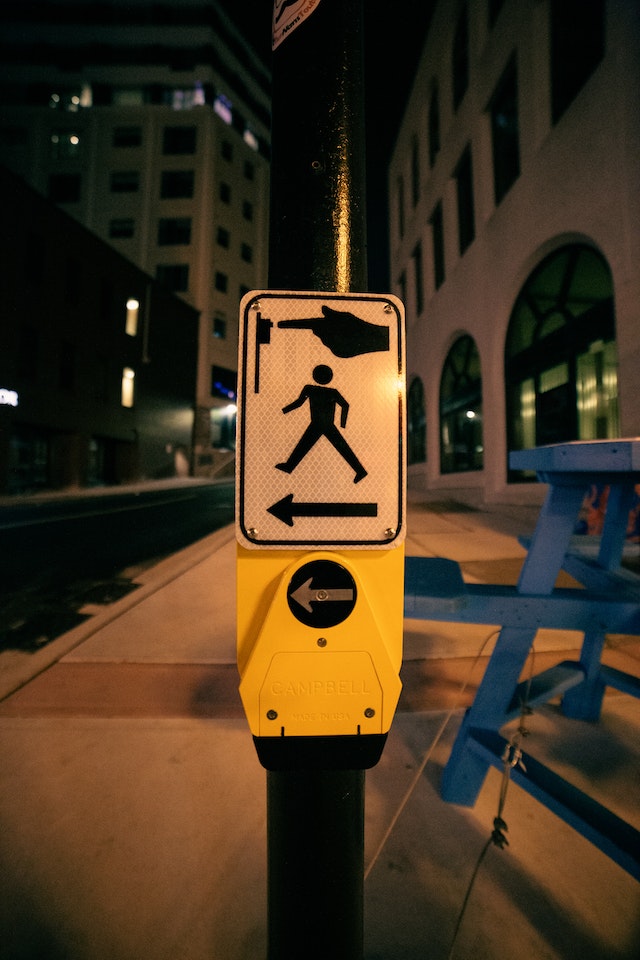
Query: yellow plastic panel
x=319 y=680
x=320 y=693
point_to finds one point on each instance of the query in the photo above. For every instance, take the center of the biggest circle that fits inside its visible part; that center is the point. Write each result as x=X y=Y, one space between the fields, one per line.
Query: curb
x=27 y=666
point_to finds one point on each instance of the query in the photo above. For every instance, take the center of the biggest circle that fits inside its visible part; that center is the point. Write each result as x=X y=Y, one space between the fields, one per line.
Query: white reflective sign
x=320 y=455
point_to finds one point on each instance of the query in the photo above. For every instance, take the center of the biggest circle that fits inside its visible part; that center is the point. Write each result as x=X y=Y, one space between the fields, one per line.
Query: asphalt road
x=56 y=554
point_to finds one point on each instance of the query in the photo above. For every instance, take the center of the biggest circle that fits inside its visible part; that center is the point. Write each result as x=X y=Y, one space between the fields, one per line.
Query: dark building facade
x=149 y=123
x=97 y=360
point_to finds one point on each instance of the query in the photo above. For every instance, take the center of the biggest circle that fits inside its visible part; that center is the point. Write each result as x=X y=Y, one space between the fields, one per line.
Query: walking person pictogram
x=322 y=406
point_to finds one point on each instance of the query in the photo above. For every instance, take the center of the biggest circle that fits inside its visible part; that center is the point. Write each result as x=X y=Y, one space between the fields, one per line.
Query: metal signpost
x=320 y=508
x=320 y=492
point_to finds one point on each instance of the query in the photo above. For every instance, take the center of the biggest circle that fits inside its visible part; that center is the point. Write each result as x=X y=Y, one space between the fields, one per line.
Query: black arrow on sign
x=286 y=510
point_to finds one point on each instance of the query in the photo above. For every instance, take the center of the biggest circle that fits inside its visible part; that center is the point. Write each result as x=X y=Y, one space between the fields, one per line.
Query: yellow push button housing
x=323 y=658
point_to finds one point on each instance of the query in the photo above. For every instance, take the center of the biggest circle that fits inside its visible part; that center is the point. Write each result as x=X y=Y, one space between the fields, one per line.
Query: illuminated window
x=71 y=99
x=128 y=387
x=8 y=398
x=128 y=97
x=597 y=391
x=250 y=139
x=224 y=383
x=133 y=310
x=64 y=144
x=224 y=108
x=461 y=446
x=560 y=354
x=223 y=427
x=187 y=97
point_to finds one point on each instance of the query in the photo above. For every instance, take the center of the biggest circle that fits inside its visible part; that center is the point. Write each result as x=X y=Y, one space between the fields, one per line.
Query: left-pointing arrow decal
x=305 y=595
x=285 y=510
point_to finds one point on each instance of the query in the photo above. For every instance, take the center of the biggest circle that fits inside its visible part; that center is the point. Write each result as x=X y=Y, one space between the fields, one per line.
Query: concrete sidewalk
x=133 y=806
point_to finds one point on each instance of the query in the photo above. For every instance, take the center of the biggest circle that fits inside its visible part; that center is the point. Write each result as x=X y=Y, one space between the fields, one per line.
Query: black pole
x=315 y=847
x=315 y=818
x=318 y=182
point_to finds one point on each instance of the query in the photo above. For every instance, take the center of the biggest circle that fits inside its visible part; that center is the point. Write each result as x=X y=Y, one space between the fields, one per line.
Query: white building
x=149 y=123
x=515 y=236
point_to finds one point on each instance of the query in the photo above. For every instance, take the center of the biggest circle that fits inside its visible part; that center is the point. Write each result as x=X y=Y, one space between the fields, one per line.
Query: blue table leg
x=551 y=537
x=465 y=771
x=584 y=701
x=619 y=504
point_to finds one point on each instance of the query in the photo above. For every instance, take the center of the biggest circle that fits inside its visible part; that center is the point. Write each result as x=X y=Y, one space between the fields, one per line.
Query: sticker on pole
x=320 y=455
x=287 y=16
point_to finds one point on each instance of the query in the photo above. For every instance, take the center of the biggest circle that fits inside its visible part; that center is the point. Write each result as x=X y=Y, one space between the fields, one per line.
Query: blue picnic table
x=608 y=601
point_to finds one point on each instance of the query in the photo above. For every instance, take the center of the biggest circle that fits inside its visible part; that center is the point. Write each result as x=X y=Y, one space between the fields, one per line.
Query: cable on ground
x=511 y=757
x=428 y=755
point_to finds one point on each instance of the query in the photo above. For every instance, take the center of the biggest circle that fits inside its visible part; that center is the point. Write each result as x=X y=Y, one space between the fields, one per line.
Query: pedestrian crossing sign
x=320 y=452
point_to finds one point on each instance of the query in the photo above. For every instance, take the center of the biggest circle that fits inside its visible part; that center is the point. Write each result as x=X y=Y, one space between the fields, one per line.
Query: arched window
x=416 y=423
x=461 y=445
x=560 y=353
